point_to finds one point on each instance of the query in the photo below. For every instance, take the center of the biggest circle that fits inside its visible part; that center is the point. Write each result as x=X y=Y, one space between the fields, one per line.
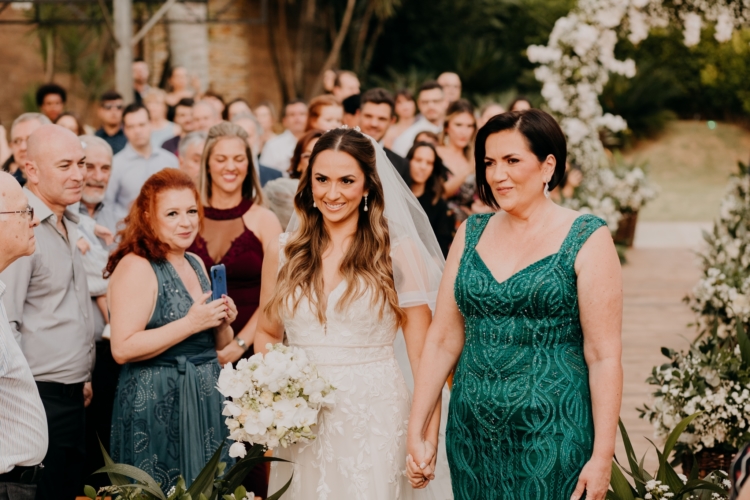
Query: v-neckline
x=330 y=294
x=526 y=268
x=182 y=283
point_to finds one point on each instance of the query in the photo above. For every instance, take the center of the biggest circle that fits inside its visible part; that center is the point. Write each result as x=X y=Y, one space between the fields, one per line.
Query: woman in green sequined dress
x=529 y=312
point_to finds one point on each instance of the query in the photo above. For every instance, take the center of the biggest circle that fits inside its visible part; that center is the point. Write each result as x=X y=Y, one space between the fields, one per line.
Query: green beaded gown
x=520 y=425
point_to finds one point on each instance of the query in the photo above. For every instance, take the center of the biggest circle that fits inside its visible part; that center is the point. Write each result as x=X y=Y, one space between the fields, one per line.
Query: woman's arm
x=132 y=296
x=442 y=348
x=270 y=330
x=600 y=305
x=415 y=328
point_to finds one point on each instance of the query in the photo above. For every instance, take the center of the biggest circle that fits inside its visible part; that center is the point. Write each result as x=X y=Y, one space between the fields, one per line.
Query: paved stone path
x=654 y=282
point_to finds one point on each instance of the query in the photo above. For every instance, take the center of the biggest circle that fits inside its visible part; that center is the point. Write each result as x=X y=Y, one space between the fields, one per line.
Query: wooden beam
x=123 y=21
x=151 y=22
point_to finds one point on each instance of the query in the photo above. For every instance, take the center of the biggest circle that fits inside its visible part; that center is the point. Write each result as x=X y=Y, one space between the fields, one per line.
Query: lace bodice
x=355 y=335
x=360 y=446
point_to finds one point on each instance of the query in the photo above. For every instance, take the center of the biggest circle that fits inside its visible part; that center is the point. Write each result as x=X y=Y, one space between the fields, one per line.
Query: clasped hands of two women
x=420 y=470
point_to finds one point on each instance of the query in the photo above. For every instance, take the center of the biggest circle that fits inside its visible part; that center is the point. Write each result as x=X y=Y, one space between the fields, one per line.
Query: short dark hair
x=134 y=108
x=378 y=96
x=225 y=113
x=542 y=134
x=81 y=130
x=429 y=85
x=186 y=102
x=50 y=89
x=291 y=103
x=351 y=104
x=110 y=95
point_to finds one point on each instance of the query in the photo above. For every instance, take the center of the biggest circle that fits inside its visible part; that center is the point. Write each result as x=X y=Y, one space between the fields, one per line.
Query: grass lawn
x=691 y=164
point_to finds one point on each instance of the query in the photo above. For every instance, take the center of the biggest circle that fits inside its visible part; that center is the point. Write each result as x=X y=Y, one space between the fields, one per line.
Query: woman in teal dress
x=529 y=312
x=167 y=412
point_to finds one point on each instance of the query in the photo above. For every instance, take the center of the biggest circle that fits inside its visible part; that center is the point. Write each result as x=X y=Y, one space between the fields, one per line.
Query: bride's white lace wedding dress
x=360 y=449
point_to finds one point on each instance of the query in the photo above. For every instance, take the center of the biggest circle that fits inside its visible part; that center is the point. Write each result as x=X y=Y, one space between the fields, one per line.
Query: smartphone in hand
x=218 y=281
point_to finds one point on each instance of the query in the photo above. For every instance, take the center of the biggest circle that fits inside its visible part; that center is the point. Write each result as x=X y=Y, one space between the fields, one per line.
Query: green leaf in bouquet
x=240 y=492
x=636 y=470
x=744 y=343
x=667 y=352
x=699 y=485
x=90 y=492
x=202 y=497
x=237 y=473
x=611 y=495
x=115 y=479
x=144 y=480
x=620 y=485
x=278 y=494
x=204 y=483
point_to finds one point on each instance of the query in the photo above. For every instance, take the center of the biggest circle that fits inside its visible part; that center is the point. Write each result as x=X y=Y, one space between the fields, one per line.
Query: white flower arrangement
x=274 y=399
x=656 y=490
x=713 y=376
x=575 y=64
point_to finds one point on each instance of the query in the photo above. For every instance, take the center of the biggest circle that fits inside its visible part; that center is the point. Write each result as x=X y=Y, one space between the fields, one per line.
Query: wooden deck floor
x=654 y=283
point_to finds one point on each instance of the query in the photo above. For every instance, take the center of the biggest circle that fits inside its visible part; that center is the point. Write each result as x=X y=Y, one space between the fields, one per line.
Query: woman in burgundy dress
x=236 y=230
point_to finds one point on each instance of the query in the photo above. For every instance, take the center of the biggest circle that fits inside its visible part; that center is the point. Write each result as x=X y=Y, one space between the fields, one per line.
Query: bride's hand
x=420 y=464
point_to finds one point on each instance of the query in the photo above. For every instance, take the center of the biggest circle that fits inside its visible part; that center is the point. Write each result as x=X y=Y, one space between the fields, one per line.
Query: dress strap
x=283 y=239
x=583 y=227
x=475 y=226
x=202 y=278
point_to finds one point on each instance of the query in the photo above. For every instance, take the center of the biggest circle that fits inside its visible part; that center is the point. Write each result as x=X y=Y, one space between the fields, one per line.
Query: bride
x=358 y=262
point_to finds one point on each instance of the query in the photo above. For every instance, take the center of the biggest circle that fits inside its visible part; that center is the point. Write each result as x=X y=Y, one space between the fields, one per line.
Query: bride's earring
x=546 y=189
x=314 y=205
x=365 y=203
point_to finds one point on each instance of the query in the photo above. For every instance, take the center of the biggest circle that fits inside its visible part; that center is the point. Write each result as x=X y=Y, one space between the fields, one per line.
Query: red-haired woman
x=167 y=413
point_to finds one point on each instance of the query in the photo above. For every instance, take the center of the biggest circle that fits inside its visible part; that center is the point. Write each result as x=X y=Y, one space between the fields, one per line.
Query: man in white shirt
x=138 y=161
x=23 y=433
x=432 y=106
x=278 y=151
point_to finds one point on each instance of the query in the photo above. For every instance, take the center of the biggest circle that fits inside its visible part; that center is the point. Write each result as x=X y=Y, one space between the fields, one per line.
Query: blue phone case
x=218 y=281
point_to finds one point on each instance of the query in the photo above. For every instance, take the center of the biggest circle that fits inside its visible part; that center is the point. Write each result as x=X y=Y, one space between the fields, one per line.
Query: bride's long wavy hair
x=367 y=263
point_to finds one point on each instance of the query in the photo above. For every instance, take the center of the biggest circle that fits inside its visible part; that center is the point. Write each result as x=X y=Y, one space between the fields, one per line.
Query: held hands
x=205 y=315
x=105 y=234
x=594 y=479
x=420 y=463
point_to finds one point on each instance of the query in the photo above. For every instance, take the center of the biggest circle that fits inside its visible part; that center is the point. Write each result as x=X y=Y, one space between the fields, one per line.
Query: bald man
x=23 y=433
x=451 y=84
x=49 y=308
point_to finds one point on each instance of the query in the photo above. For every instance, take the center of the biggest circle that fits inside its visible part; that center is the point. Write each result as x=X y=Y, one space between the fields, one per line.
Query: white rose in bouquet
x=274 y=399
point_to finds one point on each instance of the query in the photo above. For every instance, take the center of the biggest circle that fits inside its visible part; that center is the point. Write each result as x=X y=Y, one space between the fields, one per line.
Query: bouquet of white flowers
x=274 y=399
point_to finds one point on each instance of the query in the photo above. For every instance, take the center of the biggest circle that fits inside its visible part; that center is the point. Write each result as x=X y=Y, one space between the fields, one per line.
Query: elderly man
x=138 y=161
x=278 y=151
x=432 y=105
x=205 y=116
x=191 y=151
x=98 y=171
x=49 y=308
x=23 y=433
x=451 y=84
x=20 y=130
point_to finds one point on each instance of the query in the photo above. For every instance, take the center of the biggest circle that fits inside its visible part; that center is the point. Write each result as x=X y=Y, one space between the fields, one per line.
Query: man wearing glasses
x=49 y=307
x=110 y=114
x=23 y=435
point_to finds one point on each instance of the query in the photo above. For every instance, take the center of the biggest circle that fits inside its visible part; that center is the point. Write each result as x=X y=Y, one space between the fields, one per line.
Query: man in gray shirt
x=23 y=432
x=138 y=161
x=49 y=308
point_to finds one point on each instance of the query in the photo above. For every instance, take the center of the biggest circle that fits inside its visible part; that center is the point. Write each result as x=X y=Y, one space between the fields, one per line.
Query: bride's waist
x=346 y=354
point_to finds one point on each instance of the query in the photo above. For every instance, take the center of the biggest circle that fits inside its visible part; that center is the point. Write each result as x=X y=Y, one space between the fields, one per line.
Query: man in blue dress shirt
x=138 y=161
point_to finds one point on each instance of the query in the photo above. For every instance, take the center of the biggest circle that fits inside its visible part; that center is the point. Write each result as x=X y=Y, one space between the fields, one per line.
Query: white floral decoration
x=575 y=65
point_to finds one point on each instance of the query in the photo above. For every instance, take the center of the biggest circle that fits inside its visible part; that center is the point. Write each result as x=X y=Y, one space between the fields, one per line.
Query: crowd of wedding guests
x=118 y=226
